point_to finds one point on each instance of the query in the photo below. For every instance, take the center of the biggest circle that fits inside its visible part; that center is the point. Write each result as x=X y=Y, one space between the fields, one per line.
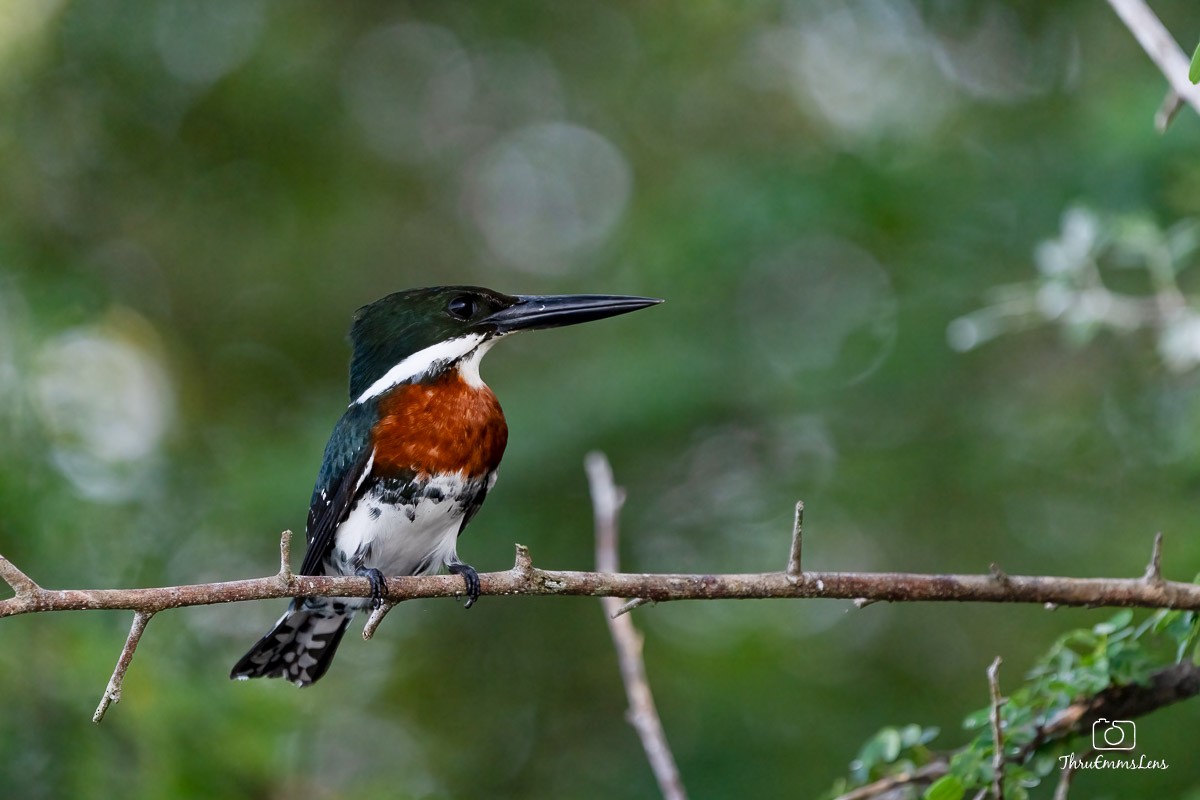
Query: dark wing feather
x=475 y=503
x=339 y=483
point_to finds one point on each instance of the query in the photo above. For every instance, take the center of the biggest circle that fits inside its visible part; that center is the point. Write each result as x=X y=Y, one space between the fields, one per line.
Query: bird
x=413 y=457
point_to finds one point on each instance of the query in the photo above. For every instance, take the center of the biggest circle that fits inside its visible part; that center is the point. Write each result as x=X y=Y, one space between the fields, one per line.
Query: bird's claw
x=470 y=577
x=378 y=584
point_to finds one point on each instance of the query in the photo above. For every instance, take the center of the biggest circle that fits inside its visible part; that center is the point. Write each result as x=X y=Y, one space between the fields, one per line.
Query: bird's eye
x=462 y=307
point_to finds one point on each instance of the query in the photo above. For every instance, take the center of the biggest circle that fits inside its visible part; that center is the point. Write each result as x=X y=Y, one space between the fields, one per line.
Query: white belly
x=417 y=538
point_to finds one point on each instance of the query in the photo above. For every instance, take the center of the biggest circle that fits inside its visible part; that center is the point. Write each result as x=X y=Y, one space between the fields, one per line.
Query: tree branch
x=1150 y=590
x=1166 y=54
x=525 y=579
x=607 y=499
x=1167 y=686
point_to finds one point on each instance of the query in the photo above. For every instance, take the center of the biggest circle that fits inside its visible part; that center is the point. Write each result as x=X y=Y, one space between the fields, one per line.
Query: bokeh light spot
x=406 y=85
x=862 y=69
x=106 y=402
x=21 y=19
x=822 y=311
x=547 y=195
x=200 y=41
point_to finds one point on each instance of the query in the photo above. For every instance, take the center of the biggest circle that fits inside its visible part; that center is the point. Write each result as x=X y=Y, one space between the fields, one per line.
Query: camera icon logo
x=1114 y=734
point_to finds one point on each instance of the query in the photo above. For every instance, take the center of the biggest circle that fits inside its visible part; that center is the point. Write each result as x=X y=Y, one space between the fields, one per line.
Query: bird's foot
x=378 y=585
x=470 y=577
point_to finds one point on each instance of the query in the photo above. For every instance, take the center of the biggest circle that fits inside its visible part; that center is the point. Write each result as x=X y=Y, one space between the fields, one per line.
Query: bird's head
x=408 y=336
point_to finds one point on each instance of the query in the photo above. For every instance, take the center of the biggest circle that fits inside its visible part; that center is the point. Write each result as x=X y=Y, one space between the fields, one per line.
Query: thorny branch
x=607 y=499
x=1150 y=590
x=866 y=587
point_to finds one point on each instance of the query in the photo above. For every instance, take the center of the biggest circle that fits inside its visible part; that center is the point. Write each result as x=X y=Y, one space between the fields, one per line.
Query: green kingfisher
x=413 y=457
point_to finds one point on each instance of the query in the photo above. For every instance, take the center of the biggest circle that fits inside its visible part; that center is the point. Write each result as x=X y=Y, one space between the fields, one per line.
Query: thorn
x=524 y=562
x=377 y=615
x=794 y=569
x=631 y=605
x=998 y=575
x=112 y=692
x=1050 y=606
x=1153 y=574
x=21 y=583
x=863 y=602
x=285 y=557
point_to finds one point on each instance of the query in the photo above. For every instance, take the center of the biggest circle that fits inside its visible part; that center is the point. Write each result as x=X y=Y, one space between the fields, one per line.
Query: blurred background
x=926 y=269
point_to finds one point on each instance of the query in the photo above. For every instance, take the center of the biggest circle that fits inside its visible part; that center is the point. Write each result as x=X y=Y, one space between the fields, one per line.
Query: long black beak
x=532 y=312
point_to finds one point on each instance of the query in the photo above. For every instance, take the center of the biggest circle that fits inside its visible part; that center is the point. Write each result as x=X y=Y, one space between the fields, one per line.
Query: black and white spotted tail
x=300 y=647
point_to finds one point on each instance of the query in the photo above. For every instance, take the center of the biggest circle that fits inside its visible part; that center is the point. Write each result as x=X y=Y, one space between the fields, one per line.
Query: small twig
x=1153 y=574
x=1165 y=115
x=998 y=575
x=376 y=617
x=285 y=557
x=794 y=569
x=607 y=499
x=523 y=563
x=112 y=692
x=21 y=583
x=993 y=675
x=927 y=773
x=1068 y=773
x=631 y=605
x=1163 y=50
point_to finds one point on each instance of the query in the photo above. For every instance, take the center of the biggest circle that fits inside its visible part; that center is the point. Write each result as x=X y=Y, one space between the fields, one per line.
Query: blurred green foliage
x=197 y=195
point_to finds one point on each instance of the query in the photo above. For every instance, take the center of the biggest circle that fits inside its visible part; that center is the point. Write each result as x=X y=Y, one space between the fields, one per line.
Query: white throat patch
x=426 y=360
x=468 y=368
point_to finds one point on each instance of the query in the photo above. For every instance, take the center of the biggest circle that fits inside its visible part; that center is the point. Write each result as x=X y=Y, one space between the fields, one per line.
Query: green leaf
x=1194 y=72
x=914 y=735
x=947 y=787
x=1119 y=621
x=1016 y=792
x=882 y=748
x=889 y=740
x=977 y=719
x=968 y=764
x=1043 y=765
